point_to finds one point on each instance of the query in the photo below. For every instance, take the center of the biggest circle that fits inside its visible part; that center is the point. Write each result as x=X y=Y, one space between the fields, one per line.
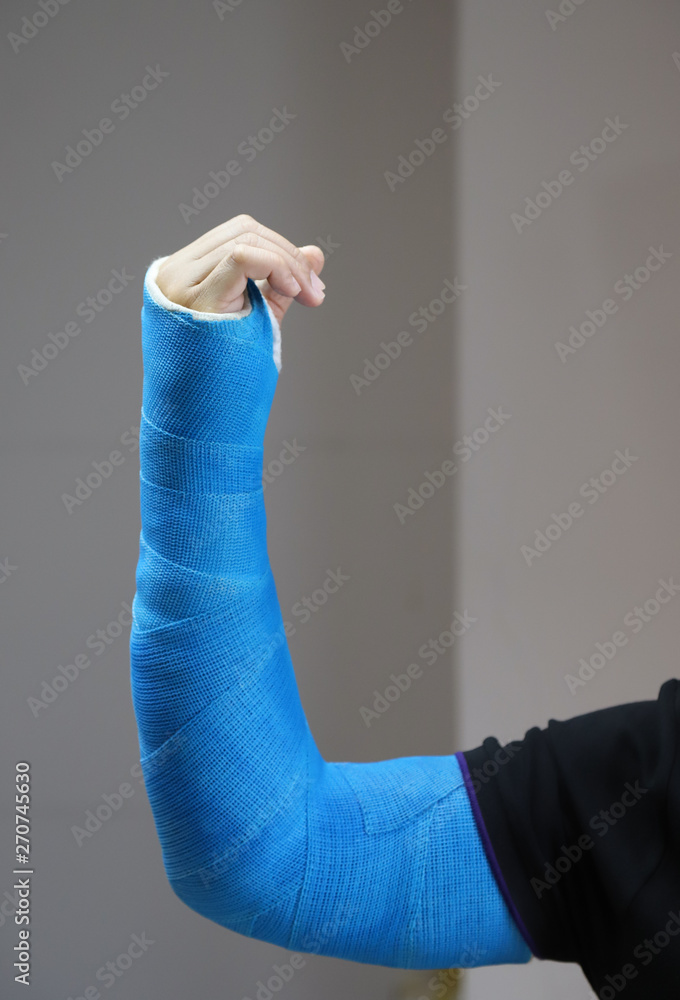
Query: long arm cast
x=375 y=862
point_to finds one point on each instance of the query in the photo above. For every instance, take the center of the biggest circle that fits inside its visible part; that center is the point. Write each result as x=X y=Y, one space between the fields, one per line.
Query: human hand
x=211 y=273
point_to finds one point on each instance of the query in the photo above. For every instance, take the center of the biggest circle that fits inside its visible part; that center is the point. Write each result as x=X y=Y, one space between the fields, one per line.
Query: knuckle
x=238 y=252
x=169 y=280
x=236 y=255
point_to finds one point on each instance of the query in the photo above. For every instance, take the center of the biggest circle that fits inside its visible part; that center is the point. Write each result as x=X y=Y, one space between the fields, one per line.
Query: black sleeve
x=581 y=823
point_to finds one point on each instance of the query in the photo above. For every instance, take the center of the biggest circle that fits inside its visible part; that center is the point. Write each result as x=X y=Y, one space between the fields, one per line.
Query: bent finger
x=223 y=289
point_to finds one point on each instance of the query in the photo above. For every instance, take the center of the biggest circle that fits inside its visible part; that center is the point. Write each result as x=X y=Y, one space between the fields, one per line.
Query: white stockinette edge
x=162 y=300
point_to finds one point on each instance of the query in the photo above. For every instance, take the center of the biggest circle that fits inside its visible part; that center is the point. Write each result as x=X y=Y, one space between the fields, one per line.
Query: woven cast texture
x=375 y=862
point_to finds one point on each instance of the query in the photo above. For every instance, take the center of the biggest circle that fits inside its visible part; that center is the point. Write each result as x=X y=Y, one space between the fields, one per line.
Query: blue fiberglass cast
x=374 y=862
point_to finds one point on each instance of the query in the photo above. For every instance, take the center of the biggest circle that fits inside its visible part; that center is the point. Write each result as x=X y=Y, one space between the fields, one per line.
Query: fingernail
x=317 y=283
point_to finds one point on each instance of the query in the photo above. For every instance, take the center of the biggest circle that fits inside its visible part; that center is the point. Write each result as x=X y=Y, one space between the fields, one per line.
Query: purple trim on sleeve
x=491 y=855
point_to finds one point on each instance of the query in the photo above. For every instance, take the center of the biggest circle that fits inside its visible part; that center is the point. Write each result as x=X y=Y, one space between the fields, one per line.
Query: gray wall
x=322 y=179
x=618 y=390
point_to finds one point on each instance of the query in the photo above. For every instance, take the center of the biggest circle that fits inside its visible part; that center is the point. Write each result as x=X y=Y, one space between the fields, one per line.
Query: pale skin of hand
x=211 y=273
